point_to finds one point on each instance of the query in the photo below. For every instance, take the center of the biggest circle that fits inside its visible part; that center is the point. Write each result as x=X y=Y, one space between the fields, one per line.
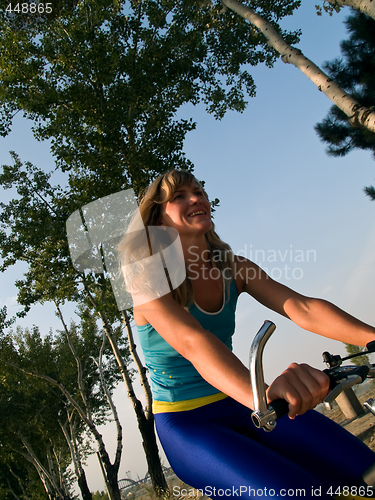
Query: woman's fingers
x=302 y=386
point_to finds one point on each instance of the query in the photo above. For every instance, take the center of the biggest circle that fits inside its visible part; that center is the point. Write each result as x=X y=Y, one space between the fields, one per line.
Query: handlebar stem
x=262 y=416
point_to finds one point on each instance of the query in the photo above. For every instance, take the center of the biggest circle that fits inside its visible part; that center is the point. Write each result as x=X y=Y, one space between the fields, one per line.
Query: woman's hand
x=302 y=386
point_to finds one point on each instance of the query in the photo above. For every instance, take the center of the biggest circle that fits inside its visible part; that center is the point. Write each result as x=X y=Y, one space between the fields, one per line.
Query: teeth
x=196 y=213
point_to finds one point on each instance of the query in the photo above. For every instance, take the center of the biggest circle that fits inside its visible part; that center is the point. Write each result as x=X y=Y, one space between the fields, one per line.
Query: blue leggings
x=217 y=449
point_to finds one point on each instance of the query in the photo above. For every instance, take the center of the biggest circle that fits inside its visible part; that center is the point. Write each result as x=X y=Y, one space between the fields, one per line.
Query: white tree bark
x=140 y=368
x=111 y=404
x=365 y=6
x=358 y=116
x=78 y=363
x=46 y=477
x=77 y=466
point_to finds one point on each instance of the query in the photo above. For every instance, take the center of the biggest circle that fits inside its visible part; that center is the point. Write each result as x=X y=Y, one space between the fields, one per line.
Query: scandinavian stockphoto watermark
x=280 y=264
x=286 y=264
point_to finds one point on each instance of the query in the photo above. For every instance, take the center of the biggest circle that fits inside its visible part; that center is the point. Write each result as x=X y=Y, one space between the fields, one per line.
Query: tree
x=355 y=73
x=355 y=349
x=29 y=438
x=103 y=81
x=67 y=407
x=52 y=277
x=100 y=495
x=357 y=113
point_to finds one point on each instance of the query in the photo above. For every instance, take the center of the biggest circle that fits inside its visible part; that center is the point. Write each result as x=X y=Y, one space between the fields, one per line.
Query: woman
x=202 y=392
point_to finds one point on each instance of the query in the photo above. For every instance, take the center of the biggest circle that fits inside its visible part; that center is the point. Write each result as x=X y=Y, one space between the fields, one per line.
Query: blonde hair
x=151 y=201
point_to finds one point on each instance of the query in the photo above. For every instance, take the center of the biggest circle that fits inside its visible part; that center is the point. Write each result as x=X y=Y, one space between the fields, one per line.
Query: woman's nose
x=193 y=198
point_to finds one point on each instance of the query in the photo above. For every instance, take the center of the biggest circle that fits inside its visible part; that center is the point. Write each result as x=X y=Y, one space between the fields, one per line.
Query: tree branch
x=358 y=116
x=78 y=362
x=18 y=479
x=45 y=476
x=365 y=6
x=99 y=364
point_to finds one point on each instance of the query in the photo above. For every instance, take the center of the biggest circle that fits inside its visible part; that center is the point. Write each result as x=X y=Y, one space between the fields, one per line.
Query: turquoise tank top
x=174 y=378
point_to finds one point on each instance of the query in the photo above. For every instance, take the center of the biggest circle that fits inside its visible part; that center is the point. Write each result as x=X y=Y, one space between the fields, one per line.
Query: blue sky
x=283 y=202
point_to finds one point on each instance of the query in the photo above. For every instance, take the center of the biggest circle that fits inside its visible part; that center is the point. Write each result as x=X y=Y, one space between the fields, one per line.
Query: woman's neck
x=197 y=256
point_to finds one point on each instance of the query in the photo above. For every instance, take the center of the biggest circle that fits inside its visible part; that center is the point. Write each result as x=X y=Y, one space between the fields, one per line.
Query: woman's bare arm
x=315 y=315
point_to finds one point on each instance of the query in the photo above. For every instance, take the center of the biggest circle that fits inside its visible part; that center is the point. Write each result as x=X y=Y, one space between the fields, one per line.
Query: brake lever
x=342 y=378
x=342 y=386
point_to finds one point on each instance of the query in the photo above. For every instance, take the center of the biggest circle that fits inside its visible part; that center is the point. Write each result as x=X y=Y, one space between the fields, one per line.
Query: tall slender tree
x=29 y=441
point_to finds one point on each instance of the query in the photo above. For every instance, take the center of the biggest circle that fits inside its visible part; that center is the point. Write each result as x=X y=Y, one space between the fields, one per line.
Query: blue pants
x=217 y=449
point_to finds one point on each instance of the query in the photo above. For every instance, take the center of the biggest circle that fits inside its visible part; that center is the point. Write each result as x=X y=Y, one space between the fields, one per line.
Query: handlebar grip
x=280 y=406
x=333 y=381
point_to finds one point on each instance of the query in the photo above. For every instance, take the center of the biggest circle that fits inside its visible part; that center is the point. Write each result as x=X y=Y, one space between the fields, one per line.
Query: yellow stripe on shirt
x=189 y=404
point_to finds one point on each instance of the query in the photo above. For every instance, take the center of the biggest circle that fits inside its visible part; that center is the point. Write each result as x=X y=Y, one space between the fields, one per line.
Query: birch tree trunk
x=358 y=116
x=111 y=404
x=146 y=427
x=49 y=483
x=150 y=446
x=140 y=368
x=76 y=459
x=111 y=470
x=365 y=6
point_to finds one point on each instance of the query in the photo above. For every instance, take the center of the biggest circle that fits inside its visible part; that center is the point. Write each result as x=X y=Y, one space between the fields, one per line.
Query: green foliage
x=5 y=323
x=31 y=231
x=34 y=410
x=100 y=495
x=327 y=7
x=28 y=416
x=354 y=72
x=355 y=349
x=103 y=80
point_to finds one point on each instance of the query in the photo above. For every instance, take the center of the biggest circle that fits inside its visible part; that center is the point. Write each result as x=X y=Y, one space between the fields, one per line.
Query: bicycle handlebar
x=341 y=378
x=263 y=415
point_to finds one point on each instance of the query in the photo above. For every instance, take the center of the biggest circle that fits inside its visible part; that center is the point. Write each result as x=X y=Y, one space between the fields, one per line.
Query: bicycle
x=341 y=377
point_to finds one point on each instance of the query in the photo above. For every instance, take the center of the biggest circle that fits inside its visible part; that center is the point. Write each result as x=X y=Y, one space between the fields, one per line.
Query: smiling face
x=188 y=211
